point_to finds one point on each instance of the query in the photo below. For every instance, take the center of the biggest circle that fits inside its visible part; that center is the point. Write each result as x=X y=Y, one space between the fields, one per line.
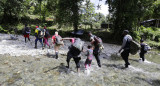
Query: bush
x=150 y=33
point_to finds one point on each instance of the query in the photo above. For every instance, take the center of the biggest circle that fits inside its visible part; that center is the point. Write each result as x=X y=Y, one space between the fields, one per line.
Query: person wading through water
x=75 y=52
x=126 y=47
x=46 y=36
x=57 y=41
x=96 y=50
x=26 y=33
x=39 y=34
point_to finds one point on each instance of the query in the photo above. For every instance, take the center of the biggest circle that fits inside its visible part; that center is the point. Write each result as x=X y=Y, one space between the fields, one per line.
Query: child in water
x=89 y=56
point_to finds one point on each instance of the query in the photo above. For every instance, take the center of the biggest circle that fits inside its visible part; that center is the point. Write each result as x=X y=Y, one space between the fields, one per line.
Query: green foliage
x=126 y=14
x=150 y=33
x=67 y=12
x=11 y=10
x=136 y=36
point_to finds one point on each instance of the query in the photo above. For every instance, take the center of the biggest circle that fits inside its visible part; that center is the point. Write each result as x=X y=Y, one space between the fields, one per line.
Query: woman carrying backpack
x=46 y=36
x=57 y=41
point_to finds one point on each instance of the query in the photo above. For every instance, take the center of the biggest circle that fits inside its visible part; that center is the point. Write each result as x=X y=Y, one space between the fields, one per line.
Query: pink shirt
x=72 y=40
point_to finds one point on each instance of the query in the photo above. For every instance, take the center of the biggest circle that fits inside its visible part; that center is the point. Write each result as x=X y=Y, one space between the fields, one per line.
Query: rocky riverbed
x=22 y=65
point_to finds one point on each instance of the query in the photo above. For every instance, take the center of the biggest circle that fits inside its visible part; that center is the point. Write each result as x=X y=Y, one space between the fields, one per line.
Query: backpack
x=47 y=34
x=134 y=47
x=146 y=47
x=58 y=40
x=99 y=42
x=41 y=34
x=78 y=44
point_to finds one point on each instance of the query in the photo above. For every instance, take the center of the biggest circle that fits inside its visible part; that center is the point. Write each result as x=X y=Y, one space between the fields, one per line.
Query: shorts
x=26 y=35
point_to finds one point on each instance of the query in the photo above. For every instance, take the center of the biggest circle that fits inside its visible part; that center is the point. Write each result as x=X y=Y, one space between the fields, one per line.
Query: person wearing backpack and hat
x=97 y=49
x=38 y=37
x=26 y=32
x=126 y=47
x=57 y=41
x=75 y=52
x=46 y=36
x=143 y=50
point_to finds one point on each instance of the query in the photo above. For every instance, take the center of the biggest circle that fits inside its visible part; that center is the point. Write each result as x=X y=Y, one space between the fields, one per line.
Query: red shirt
x=54 y=38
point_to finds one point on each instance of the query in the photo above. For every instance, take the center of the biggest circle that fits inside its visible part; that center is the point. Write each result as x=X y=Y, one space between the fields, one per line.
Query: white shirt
x=126 y=37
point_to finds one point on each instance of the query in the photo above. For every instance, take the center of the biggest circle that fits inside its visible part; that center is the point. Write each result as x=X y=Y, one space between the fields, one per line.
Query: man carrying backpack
x=26 y=32
x=126 y=47
x=58 y=41
x=39 y=35
x=75 y=52
x=95 y=41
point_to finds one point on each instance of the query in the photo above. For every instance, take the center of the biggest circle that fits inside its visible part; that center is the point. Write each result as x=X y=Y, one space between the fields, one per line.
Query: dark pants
x=88 y=62
x=40 y=40
x=96 y=53
x=26 y=40
x=125 y=55
x=76 y=59
x=142 y=55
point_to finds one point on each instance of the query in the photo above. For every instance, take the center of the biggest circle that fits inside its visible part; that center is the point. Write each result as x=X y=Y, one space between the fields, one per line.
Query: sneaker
x=35 y=47
x=126 y=66
x=67 y=66
x=99 y=65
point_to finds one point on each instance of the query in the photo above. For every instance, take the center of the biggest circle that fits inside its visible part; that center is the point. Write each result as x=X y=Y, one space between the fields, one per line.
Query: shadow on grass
x=61 y=69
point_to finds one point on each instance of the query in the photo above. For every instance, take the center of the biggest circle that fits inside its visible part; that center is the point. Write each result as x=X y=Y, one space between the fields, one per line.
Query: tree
x=68 y=12
x=11 y=11
x=126 y=14
x=88 y=13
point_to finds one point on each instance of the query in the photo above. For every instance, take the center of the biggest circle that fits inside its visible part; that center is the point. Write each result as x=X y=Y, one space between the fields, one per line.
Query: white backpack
x=147 y=47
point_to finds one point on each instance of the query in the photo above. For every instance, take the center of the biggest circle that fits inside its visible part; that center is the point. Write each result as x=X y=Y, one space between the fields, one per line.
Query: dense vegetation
x=74 y=14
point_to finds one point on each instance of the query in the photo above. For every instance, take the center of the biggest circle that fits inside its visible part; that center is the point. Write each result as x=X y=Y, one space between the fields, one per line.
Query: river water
x=22 y=65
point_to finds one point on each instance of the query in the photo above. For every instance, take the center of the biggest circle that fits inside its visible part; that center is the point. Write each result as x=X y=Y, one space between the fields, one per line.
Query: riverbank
x=22 y=65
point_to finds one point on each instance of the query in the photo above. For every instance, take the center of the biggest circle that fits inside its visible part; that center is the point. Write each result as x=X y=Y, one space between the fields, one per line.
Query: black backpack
x=47 y=34
x=40 y=33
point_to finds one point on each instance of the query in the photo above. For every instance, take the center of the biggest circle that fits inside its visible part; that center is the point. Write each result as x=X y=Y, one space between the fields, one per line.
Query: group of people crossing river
x=94 y=49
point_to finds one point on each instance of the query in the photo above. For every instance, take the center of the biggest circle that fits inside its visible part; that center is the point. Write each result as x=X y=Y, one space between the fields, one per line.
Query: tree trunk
x=75 y=15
